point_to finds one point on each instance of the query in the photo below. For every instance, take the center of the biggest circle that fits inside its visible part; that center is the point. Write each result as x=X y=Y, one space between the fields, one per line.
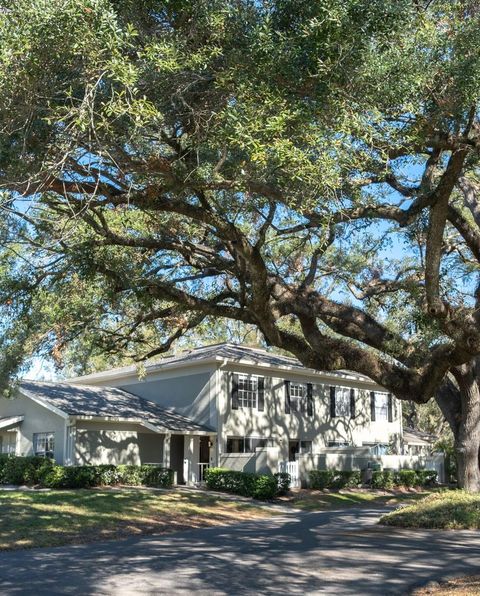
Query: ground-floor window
x=339 y=444
x=295 y=447
x=44 y=444
x=247 y=444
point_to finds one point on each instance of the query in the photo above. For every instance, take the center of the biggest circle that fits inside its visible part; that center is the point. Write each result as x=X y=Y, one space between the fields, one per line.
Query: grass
x=310 y=500
x=447 y=510
x=40 y=519
x=462 y=586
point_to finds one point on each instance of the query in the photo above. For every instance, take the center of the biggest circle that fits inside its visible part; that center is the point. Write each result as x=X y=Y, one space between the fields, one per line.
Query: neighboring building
x=228 y=405
x=416 y=442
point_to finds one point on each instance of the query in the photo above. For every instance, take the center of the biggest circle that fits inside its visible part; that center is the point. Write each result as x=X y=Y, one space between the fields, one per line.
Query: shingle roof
x=223 y=351
x=411 y=435
x=108 y=402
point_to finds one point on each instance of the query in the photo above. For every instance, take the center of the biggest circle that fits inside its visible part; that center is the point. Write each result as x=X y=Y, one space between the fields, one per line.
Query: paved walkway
x=302 y=553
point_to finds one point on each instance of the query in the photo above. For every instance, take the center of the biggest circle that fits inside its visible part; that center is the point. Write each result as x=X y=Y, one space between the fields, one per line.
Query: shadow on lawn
x=331 y=552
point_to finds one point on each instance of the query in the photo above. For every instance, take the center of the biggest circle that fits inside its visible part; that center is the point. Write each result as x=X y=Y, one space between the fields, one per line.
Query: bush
x=320 y=479
x=336 y=479
x=426 y=477
x=406 y=478
x=38 y=470
x=283 y=482
x=346 y=479
x=22 y=470
x=383 y=479
x=258 y=486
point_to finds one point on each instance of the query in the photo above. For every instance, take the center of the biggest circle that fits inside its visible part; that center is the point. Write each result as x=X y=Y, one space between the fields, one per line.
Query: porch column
x=166 y=450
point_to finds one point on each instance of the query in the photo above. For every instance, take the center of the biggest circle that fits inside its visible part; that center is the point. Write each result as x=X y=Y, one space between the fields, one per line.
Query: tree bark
x=460 y=404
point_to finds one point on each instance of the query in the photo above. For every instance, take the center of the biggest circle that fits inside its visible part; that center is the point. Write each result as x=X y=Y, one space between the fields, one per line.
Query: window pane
x=298 y=397
x=247 y=391
x=381 y=406
x=342 y=401
x=44 y=444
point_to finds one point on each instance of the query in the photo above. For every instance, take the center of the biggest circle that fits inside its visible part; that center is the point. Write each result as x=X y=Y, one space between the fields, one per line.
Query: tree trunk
x=460 y=404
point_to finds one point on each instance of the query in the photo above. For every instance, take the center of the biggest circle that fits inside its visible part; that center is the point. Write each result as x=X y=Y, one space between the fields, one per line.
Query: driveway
x=341 y=552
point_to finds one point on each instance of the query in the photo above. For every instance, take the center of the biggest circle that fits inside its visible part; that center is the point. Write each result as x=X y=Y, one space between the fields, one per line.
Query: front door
x=177 y=444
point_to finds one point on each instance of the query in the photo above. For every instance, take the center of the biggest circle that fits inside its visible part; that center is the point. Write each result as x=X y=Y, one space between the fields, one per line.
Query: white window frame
x=44 y=438
x=338 y=444
x=342 y=398
x=381 y=406
x=298 y=397
x=248 y=396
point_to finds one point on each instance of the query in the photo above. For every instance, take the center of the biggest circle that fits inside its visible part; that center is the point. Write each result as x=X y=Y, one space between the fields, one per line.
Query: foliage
x=283 y=481
x=452 y=510
x=258 y=486
x=306 y=168
x=336 y=479
x=38 y=470
x=406 y=478
x=383 y=479
x=320 y=479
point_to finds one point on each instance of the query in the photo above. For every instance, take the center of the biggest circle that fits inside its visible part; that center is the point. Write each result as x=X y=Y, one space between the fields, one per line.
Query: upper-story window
x=342 y=402
x=298 y=397
x=381 y=406
x=247 y=392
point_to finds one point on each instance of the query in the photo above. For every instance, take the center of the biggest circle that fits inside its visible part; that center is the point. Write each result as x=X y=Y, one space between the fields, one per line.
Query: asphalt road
x=303 y=553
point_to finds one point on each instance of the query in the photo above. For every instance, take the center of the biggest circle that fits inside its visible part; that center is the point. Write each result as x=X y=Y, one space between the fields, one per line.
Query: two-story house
x=228 y=405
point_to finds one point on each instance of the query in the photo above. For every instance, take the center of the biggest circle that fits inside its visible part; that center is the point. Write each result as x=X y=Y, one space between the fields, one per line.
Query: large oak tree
x=306 y=168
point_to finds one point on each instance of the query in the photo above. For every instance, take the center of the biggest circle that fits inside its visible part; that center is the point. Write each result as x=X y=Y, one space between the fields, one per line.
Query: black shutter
x=235 y=392
x=287 y=397
x=332 y=402
x=261 y=394
x=390 y=408
x=372 y=406
x=309 y=399
x=352 y=403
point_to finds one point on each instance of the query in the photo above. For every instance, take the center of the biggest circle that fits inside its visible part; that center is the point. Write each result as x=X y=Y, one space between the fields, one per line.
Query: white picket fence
x=290 y=467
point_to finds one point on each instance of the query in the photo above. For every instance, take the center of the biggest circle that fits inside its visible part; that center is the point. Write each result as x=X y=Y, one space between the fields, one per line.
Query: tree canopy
x=306 y=168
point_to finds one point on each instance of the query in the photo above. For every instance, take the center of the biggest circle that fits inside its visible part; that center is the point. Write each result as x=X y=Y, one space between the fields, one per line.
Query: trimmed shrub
x=383 y=479
x=23 y=470
x=258 y=486
x=406 y=478
x=426 y=477
x=346 y=479
x=320 y=479
x=283 y=482
x=39 y=470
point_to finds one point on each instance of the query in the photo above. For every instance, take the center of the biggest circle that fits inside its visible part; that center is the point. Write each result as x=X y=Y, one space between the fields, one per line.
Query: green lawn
x=310 y=500
x=31 y=519
x=450 y=509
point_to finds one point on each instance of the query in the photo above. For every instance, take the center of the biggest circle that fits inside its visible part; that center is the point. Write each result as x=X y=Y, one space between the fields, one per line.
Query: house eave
x=153 y=427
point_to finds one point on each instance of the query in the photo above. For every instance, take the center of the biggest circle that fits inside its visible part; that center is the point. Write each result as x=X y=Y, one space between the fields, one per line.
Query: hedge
x=383 y=479
x=320 y=479
x=39 y=470
x=246 y=484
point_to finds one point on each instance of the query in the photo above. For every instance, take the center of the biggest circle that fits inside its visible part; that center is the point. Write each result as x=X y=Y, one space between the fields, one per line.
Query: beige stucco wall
x=116 y=443
x=320 y=428
x=37 y=419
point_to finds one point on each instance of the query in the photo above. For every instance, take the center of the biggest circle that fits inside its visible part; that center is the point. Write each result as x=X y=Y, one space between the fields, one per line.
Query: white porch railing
x=290 y=467
x=201 y=471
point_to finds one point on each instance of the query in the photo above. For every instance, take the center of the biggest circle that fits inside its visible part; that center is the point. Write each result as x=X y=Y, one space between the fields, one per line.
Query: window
x=338 y=444
x=342 y=401
x=247 y=391
x=246 y=444
x=381 y=406
x=44 y=444
x=298 y=397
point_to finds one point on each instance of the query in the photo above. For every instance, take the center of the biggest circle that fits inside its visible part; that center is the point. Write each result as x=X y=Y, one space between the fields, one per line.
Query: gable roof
x=219 y=353
x=414 y=436
x=84 y=401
